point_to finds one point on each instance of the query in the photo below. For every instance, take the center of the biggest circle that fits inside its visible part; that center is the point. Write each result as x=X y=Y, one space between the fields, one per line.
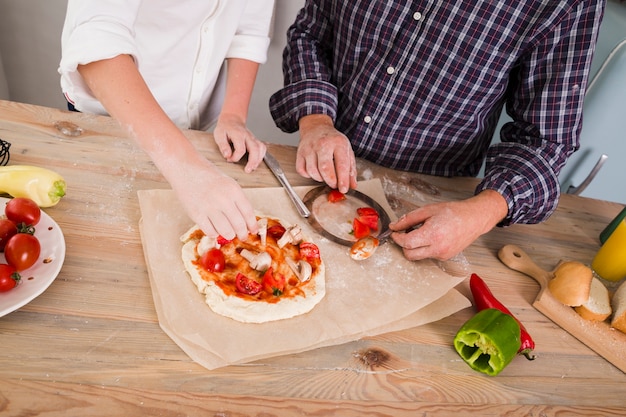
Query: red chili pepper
x=483 y=298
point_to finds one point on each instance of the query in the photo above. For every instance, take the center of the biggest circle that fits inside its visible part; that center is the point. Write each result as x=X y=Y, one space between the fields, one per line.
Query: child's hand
x=234 y=140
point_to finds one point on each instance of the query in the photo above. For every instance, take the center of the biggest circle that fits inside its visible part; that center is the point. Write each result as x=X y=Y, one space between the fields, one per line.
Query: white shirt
x=179 y=47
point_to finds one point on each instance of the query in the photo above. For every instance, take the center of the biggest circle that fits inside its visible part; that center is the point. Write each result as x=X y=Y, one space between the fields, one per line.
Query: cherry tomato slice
x=22 y=251
x=335 y=196
x=221 y=240
x=360 y=229
x=23 y=210
x=8 y=229
x=9 y=277
x=213 y=260
x=277 y=231
x=309 y=251
x=246 y=285
x=273 y=283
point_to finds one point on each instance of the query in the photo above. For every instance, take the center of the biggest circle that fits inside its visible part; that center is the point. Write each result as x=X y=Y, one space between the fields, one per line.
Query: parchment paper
x=384 y=293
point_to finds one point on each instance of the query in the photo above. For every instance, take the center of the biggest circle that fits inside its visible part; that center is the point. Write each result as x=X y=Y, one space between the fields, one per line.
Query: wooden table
x=91 y=344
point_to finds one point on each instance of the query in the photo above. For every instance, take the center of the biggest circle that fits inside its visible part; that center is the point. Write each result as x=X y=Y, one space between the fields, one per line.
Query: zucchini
x=43 y=186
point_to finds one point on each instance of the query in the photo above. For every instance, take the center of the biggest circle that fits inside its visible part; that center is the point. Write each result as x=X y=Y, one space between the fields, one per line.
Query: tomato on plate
x=213 y=260
x=22 y=251
x=9 y=277
x=360 y=229
x=368 y=216
x=277 y=231
x=246 y=285
x=274 y=283
x=23 y=210
x=7 y=230
x=335 y=196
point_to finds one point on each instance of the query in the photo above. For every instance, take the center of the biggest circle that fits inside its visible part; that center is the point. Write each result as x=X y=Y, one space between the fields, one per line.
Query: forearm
x=119 y=86
x=239 y=85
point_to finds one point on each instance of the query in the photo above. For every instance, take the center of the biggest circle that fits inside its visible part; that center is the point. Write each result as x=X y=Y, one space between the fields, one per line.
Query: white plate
x=37 y=278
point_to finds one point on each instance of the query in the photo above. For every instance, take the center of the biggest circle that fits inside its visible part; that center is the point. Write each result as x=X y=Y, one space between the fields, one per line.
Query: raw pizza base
x=245 y=310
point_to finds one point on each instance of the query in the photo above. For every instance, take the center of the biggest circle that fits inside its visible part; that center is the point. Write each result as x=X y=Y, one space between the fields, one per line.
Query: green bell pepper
x=488 y=341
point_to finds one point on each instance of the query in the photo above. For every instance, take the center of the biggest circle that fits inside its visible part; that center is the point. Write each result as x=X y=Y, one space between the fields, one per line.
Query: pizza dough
x=298 y=297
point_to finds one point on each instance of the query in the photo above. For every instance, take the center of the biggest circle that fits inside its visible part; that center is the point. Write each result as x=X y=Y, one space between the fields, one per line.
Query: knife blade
x=278 y=172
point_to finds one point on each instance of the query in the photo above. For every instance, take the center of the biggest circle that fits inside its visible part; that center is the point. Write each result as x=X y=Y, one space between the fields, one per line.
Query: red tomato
x=277 y=231
x=213 y=260
x=274 y=283
x=360 y=229
x=7 y=230
x=309 y=251
x=246 y=285
x=222 y=240
x=336 y=195
x=23 y=210
x=22 y=251
x=368 y=216
x=9 y=277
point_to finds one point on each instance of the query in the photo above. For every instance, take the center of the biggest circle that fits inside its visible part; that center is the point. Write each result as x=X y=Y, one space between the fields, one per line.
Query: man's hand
x=446 y=229
x=325 y=154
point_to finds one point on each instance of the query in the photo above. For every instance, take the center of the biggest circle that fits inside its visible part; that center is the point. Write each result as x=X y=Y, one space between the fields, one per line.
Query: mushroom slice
x=262 y=223
x=205 y=244
x=292 y=235
x=260 y=261
x=302 y=269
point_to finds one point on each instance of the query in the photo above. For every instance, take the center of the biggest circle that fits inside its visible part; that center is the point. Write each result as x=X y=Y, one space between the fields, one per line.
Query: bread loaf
x=571 y=284
x=618 y=303
x=598 y=306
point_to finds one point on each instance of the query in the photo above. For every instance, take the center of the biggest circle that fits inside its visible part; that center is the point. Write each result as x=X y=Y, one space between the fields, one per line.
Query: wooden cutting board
x=599 y=336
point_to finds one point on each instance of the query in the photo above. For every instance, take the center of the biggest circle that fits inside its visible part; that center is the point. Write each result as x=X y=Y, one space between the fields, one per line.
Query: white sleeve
x=253 y=32
x=95 y=30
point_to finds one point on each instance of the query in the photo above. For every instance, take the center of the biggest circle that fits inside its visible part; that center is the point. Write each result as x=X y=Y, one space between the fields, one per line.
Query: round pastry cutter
x=334 y=220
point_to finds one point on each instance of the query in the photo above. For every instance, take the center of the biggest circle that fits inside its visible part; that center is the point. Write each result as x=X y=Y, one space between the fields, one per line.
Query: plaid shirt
x=420 y=85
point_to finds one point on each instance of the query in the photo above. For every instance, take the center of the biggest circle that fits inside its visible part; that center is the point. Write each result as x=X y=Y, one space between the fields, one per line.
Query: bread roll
x=571 y=284
x=598 y=306
x=619 y=308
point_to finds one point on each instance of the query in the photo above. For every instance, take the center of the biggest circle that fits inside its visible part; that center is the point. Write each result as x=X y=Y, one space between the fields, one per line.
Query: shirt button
x=367 y=119
x=390 y=70
x=417 y=16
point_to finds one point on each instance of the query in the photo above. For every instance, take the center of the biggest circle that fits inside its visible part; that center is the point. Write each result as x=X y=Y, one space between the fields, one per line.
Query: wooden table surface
x=91 y=345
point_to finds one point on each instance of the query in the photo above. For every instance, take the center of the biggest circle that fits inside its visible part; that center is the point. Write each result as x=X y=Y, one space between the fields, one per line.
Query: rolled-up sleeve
x=546 y=107
x=253 y=33
x=307 y=70
x=94 y=30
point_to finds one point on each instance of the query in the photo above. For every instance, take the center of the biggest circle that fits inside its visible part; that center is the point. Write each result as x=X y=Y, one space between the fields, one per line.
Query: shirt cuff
x=300 y=99
x=527 y=183
x=252 y=48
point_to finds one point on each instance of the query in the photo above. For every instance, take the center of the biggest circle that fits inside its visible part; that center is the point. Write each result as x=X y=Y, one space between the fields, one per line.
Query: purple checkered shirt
x=420 y=85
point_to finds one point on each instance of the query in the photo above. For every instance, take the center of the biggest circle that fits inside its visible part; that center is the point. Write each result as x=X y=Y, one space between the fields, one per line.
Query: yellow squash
x=43 y=186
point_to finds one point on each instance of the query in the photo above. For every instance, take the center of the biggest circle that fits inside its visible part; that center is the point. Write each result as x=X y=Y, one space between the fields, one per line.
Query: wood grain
x=91 y=344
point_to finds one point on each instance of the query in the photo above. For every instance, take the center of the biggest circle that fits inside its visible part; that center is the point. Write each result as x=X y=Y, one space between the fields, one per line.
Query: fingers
x=235 y=140
x=236 y=221
x=256 y=152
x=328 y=159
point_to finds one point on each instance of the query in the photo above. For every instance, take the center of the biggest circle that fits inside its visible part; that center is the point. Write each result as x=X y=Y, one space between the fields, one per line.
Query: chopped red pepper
x=484 y=299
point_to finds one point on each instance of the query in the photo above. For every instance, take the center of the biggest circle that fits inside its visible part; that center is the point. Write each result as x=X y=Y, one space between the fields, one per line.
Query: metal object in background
x=577 y=190
x=4 y=152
